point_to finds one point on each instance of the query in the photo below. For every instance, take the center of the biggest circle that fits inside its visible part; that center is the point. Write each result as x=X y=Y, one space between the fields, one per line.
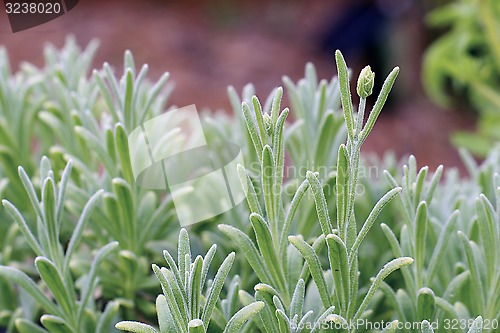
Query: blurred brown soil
x=208 y=45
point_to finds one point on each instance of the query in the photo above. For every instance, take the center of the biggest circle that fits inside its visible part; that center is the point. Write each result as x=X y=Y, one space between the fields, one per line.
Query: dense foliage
x=307 y=252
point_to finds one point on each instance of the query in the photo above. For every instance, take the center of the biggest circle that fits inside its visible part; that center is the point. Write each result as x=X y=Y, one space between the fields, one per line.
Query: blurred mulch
x=207 y=45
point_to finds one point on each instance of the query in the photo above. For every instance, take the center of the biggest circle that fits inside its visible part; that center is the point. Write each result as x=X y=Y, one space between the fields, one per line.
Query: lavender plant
x=310 y=257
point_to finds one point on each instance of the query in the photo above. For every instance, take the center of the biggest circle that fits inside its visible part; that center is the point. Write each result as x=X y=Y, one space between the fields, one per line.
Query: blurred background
x=208 y=45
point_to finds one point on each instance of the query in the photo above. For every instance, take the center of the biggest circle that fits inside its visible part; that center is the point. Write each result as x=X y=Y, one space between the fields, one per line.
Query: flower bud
x=268 y=123
x=365 y=82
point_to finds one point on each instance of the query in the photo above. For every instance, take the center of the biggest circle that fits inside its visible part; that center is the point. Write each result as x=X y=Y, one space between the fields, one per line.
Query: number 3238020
x=32 y=8
x=464 y=324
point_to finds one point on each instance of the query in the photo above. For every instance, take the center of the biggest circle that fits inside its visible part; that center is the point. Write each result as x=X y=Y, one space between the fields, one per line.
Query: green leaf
x=14 y=275
x=53 y=280
x=242 y=316
x=173 y=305
x=320 y=201
x=426 y=304
x=49 y=216
x=252 y=255
x=124 y=153
x=345 y=92
x=215 y=289
x=90 y=280
x=30 y=189
x=55 y=324
x=267 y=250
x=135 y=327
x=342 y=189
x=252 y=131
x=23 y=226
x=249 y=189
x=25 y=326
x=297 y=303
x=388 y=268
x=268 y=178
x=195 y=287
x=421 y=233
x=314 y=264
x=80 y=226
x=337 y=254
x=184 y=250
x=371 y=219
x=105 y=319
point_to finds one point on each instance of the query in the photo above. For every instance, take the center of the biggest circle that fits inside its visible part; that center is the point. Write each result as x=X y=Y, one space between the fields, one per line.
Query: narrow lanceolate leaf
x=421 y=232
x=342 y=189
x=371 y=219
x=23 y=226
x=337 y=255
x=50 y=275
x=379 y=104
x=165 y=319
x=62 y=191
x=242 y=316
x=123 y=152
x=473 y=261
x=297 y=302
x=388 y=268
x=294 y=204
x=14 y=275
x=252 y=130
x=314 y=264
x=195 y=287
x=207 y=261
x=268 y=179
x=173 y=268
x=275 y=108
x=81 y=225
x=267 y=250
x=184 y=250
x=249 y=189
x=30 y=189
x=173 y=305
x=487 y=230
x=257 y=108
x=248 y=248
x=107 y=316
x=279 y=163
x=439 y=252
x=426 y=303
x=135 y=327
x=91 y=278
x=26 y=326
x=321 y=205
x=128 y=110
x=49 y=215
x=55 y=324
x=215 y=289
x=126 y=206
x=345 y=92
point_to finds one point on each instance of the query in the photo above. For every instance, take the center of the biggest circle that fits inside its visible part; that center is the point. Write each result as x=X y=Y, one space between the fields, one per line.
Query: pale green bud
x=365 y=82
x=268 y=122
